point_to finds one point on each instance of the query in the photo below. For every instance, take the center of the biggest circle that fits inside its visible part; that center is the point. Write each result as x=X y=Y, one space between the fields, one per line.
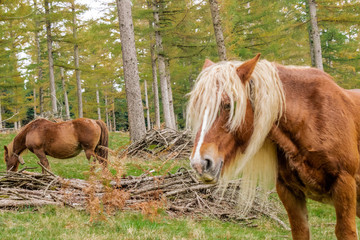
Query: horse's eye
x=227 y=106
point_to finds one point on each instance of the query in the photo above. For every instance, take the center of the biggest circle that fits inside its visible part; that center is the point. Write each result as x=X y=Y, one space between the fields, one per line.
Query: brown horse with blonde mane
x=262 y=121
x=59 y=140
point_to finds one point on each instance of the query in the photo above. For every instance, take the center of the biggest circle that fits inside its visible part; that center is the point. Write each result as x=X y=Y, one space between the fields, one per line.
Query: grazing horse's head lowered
x=262 y=122
x=12 y=160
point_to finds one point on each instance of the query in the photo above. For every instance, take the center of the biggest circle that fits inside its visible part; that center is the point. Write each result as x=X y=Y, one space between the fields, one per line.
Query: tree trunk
x=162 y=69
x=98 y=102
x=38 y=60
x=76 y=58
x=51 y=60
x=311 y=45
x=328 y=59
x=147 y=107
x=67 y=110
x=315 y=36
x=114 y=116
x=131 y=74
x=1 y=125
x=107 y=113
x=41 y=101
x=171 y=101
x=156 y=101
x=34 y=95
x=217 y=29
x=154 y=76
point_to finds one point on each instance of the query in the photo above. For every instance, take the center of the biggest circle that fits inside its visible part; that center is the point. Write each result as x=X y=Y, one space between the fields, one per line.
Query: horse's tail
x=102 y=147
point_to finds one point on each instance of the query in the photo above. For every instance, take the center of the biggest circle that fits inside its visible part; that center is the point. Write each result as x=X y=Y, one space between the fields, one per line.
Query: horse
x=295 y=126
x=59 y=140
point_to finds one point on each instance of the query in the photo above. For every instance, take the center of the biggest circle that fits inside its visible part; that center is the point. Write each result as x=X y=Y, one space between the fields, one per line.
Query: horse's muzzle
x=206 y=170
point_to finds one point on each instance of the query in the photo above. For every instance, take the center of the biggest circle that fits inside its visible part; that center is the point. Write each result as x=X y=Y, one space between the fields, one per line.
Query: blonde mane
x=258 y=164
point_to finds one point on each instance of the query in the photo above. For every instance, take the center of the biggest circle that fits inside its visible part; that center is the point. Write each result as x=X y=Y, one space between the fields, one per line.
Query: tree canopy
x=277 y=29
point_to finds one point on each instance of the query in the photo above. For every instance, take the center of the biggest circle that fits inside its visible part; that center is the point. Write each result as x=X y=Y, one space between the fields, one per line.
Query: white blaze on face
x=197 y=158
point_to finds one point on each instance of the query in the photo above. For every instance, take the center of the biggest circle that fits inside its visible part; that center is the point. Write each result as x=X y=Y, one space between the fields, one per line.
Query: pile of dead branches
x=19 y=189
x=161 y=143
x=179 y=194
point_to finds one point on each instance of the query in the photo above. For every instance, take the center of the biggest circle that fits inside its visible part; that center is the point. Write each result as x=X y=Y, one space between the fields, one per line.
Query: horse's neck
x=19 y=142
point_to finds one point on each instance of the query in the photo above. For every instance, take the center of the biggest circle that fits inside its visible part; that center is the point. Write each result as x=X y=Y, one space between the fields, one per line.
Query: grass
x=65 y=223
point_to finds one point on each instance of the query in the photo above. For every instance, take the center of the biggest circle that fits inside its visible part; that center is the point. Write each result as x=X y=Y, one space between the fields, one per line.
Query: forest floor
x=59 y=222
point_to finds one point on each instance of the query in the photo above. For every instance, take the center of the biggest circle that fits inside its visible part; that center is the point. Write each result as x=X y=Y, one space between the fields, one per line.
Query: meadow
x=65 y=223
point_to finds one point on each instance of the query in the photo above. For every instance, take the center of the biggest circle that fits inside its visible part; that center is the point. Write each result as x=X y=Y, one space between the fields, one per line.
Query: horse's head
x=12 y=160
x=220 y=136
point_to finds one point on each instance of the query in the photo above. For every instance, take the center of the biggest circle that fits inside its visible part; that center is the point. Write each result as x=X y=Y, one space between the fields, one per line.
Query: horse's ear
x=207 y=63
x=246 y=69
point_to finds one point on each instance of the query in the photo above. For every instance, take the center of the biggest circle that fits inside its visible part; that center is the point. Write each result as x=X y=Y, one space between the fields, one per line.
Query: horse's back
x=355 y=95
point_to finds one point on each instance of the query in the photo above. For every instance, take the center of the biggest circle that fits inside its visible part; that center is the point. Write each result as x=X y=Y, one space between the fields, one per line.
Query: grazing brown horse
x=264 y=121
x=59 y=140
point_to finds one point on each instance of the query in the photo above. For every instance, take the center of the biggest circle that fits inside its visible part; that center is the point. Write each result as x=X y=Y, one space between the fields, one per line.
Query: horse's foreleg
x=297 y=212
x=344 y=197
x=90 y=153
x=43 y=160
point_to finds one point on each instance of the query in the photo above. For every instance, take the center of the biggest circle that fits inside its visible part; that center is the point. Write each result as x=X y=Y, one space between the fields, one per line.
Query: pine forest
x=65 y=59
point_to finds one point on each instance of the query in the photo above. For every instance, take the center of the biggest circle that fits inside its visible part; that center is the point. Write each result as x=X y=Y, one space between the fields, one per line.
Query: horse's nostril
x=208 y=163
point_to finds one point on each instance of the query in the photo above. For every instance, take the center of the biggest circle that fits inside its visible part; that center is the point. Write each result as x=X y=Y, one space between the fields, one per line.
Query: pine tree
x=131 y=75
x=169 y=122
x=315 y=35
x=76 y=60
x=14 y=17
x=50 y=58
x=218 y=29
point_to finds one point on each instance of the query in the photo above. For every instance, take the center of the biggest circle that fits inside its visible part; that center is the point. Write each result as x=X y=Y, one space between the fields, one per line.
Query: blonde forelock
x=212 y=84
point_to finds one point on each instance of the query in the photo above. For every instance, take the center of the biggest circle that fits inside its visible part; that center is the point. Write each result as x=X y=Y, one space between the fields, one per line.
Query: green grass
x=65 y=223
